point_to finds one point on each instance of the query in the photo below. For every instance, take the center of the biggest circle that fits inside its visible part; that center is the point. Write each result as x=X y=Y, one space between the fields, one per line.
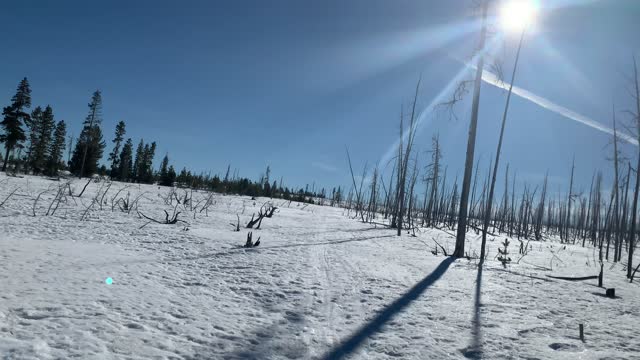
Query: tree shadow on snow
x=352 y=343
x=475 y=350
x=327 y=242
x=350 y=230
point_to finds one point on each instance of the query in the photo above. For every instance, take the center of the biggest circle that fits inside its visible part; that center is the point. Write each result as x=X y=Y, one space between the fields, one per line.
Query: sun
x=516 y=15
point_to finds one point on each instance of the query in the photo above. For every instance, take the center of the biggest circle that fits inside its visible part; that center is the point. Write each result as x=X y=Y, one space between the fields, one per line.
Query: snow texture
x=320 y=286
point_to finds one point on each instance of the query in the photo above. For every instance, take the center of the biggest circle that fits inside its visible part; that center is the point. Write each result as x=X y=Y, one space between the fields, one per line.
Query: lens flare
x=516 y=15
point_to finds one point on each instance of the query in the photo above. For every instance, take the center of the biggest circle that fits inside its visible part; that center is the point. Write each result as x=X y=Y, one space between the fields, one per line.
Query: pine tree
x=167 y=178
x=14 y=116
x=90 y=146
x=56 y=149
x=171 y=176
x=34 y=123
x=125 y=163
x=115 y=153
x=149 y=154
x=183 y=178
x=164 y=168
x=41 y=126
x=138 y=164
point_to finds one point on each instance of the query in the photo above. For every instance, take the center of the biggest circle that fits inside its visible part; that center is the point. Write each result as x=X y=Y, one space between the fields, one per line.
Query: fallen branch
x=574 y=278
x=7 y=198
x=35 y=203
x=236 y=226
x=83 y=189
x=634 y=273
x=250 y=243
x=167 y=221
x=441 y=247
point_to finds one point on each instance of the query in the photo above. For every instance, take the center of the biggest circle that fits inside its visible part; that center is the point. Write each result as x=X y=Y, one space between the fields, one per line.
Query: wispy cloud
x=324 y=166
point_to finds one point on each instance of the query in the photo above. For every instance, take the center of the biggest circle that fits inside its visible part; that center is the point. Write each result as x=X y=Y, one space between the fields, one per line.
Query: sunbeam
x=580 y=82
x=380 y=53
x=448 y=89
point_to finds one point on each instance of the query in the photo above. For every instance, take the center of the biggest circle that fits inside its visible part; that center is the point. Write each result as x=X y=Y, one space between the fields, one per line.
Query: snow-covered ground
x=319 y=285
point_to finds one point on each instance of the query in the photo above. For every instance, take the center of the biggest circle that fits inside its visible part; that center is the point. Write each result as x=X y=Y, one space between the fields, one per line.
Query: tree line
x=35 y=143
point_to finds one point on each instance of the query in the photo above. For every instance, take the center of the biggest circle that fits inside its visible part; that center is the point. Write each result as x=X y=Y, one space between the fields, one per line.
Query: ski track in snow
x=317 y=278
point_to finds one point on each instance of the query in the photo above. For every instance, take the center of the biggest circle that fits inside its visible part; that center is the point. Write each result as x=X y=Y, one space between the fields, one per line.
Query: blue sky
x=290 y=83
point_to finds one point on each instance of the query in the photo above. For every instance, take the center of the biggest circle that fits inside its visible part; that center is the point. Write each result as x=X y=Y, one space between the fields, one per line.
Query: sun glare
x=515 y=15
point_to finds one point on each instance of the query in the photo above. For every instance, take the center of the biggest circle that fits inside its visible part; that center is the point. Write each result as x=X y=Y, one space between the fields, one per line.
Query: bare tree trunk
x=404 y=158
x=494 y=176
x=634 y=206
x=567 y=225
x=471 y=144
x=616 y=186
x=623 y=225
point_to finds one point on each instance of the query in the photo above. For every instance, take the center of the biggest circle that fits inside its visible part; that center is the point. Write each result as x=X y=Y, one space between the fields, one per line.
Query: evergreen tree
x=125 y=163
x=57 y=148
x=183 y=178
x=138 y=164
x=41 y=126
x=90 y=146
x=167 y=173
x=114 y=156
x=337 y=197
x=164 y=170
x=171 y=176
x=14 y=116
x=149 y=154
x=33 y=124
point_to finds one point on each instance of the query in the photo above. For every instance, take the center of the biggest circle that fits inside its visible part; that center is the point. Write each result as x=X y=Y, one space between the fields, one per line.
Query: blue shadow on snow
x=351 y=344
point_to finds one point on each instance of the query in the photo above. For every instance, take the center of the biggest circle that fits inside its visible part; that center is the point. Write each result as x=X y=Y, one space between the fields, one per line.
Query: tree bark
x=471 y=143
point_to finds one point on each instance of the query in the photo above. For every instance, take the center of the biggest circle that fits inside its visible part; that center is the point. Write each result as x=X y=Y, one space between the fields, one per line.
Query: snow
x=320 y=285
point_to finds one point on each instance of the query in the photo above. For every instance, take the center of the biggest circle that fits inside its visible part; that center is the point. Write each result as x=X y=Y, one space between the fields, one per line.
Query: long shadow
x=238 y=249
x=326 y=242
x=475 y=350
x=352 y=343
x=342 y=231
x=258 y=249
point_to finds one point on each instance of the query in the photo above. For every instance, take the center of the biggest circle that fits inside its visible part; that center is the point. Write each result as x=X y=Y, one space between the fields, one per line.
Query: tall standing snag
x=471 y=144
x=634 y=207
x=494 y=176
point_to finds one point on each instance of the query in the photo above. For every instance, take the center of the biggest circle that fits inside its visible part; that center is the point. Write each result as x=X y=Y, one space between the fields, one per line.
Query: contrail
x=492 y=79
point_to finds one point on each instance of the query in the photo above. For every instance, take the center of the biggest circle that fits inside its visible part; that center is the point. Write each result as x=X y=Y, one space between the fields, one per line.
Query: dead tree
x=83 y=189
x=497 y=161
x=432 y=179
x=357 y=190
x=471 y=143
x=403 y=158
x=616 y=188
x=634 y=206
x=8 y=196
x=250 y=243
x=266 y=210
x=569 y=200
x=539 y=216
x=237 y=225
x=169 y=220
